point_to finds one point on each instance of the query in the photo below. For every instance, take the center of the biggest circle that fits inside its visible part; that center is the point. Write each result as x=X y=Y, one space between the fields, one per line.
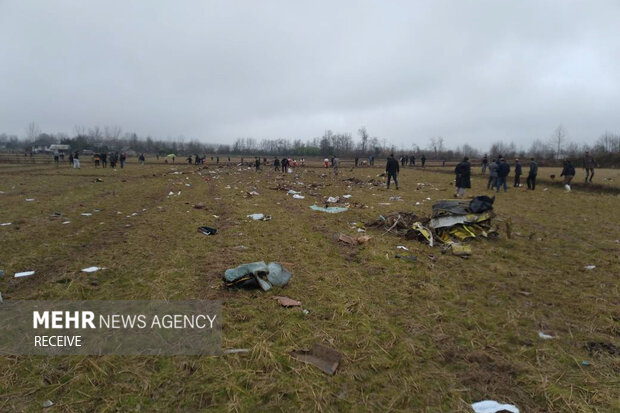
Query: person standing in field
x=335 y=164
x=326 y=162
x=463 y=177
x=485 y=163
x=56 y=159
x=588 y=164
x=124 y=157
x=76 y=160
x=531 y=176
x=423 y=160
x=284 y=164
x=257 y=164
x=518 y=172
x=142 y=159
x=276 y=164
x=392 y=169
x=503 y=169
x=492 y=174
x=568 y=172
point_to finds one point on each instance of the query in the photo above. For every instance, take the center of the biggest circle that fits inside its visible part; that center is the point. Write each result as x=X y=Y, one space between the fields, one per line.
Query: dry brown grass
x=434 y=335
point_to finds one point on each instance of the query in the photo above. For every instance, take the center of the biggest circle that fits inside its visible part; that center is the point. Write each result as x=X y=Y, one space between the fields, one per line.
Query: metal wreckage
x=451 y=222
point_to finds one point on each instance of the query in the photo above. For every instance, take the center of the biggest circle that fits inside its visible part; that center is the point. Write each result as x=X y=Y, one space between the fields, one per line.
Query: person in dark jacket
x=257 y=163
x=392 y=168
x=518 y=172
x=463 y=177
x=485 y=163
x=531 y=176
x=276 y=164
x=423 y=160
x=503 y=170
x=568 y=172
x=284 y=164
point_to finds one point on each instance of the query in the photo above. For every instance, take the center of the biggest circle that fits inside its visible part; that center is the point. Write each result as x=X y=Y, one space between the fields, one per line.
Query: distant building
x=59 y=148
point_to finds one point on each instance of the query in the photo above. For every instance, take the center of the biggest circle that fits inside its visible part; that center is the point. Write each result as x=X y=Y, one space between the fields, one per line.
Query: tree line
x=111 y=138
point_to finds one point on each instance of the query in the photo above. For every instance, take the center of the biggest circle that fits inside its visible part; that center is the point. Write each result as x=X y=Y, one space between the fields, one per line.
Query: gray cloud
x=473 y=72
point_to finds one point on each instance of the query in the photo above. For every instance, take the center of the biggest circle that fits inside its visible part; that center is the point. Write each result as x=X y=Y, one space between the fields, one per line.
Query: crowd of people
x=499 y=170
x=497 y=167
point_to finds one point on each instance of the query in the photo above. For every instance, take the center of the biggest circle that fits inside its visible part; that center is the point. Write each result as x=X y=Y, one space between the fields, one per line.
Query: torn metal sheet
x=325 y=358
x=451 y=220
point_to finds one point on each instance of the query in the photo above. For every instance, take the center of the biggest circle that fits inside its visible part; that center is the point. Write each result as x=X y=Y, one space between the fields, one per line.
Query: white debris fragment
x=402 y=247
x=491 y=406
x=545 y=336
x=298 y=196
x=589 y=267
x=92 y=269
x=24 y=274
x=86 y=214
x=5 y=224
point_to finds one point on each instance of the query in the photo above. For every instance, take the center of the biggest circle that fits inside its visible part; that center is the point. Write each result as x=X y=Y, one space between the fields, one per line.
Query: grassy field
x=432 y=335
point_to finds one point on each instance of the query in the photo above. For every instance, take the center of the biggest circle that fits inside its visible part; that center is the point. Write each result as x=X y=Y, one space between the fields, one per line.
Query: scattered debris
x=411 y=258
x=24 y=274
x=330 y=210
x=287 y=302
x=47 y=403
x=333 y=199
x=29 y=199
x=237 y=351
x=86 y=214
x=1 y=300
x=423 y=232
x=5 y=224
x=1 y=273
x=292 y=192
x=260 y=217
x=240 y=248
x=402 y=247
x=585 y=363
x=594 y=347
x=325 y=358
x=92 y=269
x=199 y=205
x=257 y=275
x=491 y=406
x=298 y=196
x=589 y=267
x=362 y=239
x=347 y=196
x=545 y=336
x=207 y=230
x=460 y=250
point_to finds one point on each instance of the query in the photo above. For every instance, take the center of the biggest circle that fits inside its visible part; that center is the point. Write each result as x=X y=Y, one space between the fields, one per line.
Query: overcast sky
x=471 y=71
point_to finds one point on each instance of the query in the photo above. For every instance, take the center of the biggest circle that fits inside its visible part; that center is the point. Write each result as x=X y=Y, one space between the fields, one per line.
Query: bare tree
x=95 y=133
x=558 y=138
x=112 y=132
x=364 y=138
x=32 y=131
